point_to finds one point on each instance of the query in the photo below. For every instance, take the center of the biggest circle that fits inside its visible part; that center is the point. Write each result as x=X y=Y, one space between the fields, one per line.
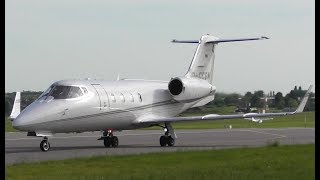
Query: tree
x=219 y=102
x=310 y=106
x=248 y=95
x=256 y=101
x=259 y=93
x=232 y=99
x=8 y=105
x=247 y=99
x=279 y=101
x=291 y=103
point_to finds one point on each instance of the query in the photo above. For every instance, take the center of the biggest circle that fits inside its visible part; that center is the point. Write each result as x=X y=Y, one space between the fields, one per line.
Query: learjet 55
x=109 y=106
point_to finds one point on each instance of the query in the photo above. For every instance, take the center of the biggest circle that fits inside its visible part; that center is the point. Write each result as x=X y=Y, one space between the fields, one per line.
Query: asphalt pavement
x=22 y=148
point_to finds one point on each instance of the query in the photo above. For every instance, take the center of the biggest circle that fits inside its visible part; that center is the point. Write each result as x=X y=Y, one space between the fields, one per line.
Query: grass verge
x=8 y=126
x=270 y=162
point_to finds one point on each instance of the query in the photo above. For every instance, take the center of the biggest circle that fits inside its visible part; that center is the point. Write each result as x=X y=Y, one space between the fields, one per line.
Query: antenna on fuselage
x=118 y=78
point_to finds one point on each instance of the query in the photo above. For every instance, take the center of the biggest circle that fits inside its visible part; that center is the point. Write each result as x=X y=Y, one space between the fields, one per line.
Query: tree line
x=258 y=99
x=254 y=99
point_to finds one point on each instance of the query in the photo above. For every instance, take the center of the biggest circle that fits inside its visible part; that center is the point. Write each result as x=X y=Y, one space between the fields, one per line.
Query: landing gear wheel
x=107 y=141
x=170 y=141
x=44 y=145
x=163 y=141
x=114 y=141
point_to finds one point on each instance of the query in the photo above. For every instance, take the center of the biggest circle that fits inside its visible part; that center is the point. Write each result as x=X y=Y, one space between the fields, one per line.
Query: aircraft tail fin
x=203 y=60
x=16 y=106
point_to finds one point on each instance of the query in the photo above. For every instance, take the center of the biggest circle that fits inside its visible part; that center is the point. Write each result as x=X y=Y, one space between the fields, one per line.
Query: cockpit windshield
x=45 y=93
x=62 y=92
x=65 y=92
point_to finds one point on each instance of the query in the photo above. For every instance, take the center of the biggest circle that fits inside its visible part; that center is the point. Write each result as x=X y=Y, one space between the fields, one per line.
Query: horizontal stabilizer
x=217 y=40
x=185 y=41
x=234 y=40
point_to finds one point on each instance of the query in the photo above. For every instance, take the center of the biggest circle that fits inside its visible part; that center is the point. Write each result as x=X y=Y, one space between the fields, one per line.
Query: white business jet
x=108 y=106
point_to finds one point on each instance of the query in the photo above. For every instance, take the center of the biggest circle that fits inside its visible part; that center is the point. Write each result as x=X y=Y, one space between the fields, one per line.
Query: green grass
x=8 y=126
x=296 y=120
x=270 y=162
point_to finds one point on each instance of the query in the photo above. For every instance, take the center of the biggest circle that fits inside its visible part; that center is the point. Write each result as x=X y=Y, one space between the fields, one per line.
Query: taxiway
x=21 y=148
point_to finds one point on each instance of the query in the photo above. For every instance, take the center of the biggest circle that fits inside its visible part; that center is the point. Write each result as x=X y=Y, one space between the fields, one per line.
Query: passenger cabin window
x=113 y=98
x=131 y=98
x=122 y=97
x=140 y=98
x=65 y=92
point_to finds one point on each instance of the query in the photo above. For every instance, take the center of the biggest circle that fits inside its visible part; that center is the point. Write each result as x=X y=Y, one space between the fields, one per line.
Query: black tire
x=163 y=141
x=107 y=142
x=114 y=141
x=170 y=141
x=44 y=145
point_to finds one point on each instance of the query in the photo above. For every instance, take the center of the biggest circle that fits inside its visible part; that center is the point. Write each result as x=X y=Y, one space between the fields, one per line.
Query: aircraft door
x=103 y=98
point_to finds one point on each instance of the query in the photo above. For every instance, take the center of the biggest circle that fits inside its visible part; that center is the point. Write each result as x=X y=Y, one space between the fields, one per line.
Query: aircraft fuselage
x=103 y=105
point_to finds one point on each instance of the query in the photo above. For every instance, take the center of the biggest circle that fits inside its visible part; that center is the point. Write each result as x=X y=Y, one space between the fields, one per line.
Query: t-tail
x=197 y=84
x=203 y=60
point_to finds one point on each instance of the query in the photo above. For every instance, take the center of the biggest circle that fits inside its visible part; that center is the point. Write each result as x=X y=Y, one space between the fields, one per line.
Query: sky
x=47 y=41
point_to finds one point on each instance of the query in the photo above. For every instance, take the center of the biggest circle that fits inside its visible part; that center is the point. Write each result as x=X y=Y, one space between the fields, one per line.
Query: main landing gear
x=109 y=140
x=169 y=136
x=45 y=145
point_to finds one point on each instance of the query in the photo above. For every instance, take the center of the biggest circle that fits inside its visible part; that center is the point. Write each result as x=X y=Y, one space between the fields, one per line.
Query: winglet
x=304 y=101
x=16 y=106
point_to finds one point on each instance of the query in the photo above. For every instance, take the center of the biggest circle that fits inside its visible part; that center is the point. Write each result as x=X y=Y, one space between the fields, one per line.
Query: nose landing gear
x=45 y=145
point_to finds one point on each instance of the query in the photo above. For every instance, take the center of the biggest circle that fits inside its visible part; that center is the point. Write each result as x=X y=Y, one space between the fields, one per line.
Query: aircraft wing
x=159 y=120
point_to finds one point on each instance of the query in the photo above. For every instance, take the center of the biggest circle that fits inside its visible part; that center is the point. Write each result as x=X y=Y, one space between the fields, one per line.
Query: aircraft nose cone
x=20 y=122
x=26 y=118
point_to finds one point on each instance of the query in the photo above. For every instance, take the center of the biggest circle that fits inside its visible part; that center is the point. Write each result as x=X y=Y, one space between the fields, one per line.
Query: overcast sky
x=47 y=41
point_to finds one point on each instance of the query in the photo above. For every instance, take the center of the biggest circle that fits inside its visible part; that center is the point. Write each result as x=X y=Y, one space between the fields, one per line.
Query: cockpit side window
x=60 y=92
x=74 y=92
x=84 y=90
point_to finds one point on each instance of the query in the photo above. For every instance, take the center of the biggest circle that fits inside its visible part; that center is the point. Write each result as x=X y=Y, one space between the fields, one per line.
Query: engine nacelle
x=185 y=89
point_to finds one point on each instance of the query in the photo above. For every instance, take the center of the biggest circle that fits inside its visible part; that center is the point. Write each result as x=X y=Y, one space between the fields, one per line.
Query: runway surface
x=21 y=148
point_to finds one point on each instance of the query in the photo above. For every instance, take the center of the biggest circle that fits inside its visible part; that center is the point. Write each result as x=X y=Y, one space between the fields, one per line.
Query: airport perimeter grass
x=8 y=126
x=271 y=162
x=297 y=120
